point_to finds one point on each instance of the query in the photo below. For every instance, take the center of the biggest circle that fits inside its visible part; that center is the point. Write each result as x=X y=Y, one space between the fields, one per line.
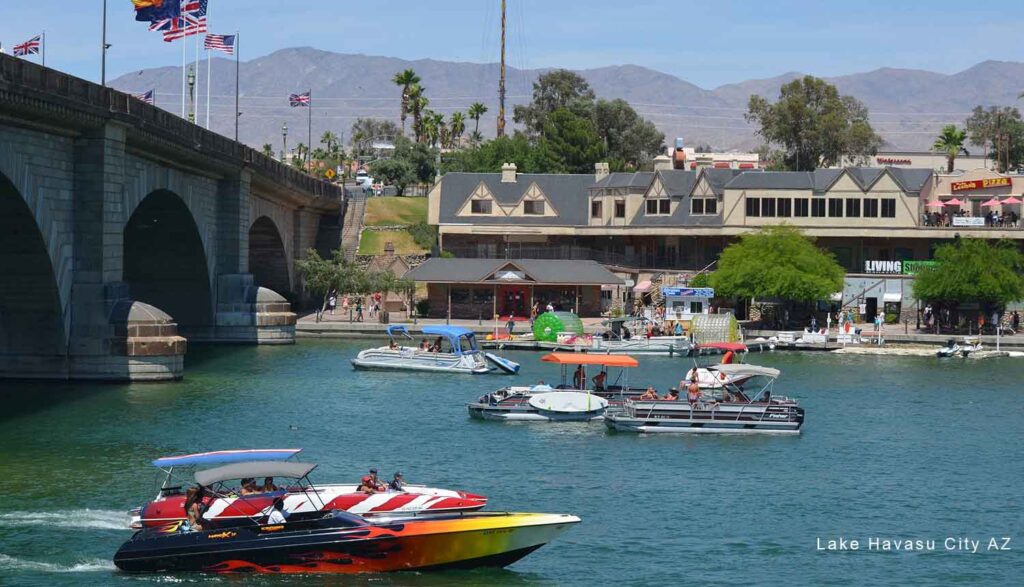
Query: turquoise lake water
x=893 y=448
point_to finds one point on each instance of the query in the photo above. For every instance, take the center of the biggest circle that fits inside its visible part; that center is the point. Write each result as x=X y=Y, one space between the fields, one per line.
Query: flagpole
x=209 y=74
x=238 y=48
x=183 y=78
x=103 y=52
x=310 y=144
x=44 y=48
x=199 y=79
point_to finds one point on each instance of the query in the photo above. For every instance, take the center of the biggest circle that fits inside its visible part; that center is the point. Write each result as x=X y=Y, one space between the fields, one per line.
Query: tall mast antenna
x=501 y=80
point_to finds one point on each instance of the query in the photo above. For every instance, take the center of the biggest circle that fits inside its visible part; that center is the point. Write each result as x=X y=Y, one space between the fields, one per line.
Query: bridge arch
x=165 y=262
x=268 y=258
x=31 y=316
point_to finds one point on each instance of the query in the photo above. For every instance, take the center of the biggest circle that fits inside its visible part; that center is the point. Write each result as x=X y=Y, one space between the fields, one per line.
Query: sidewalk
x=339 y=326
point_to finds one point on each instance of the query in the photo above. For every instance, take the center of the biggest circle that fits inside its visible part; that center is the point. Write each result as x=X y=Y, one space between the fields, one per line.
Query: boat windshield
x=469 y=345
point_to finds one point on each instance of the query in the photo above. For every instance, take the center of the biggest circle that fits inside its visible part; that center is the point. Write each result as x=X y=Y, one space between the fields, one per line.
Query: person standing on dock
x=510 y=325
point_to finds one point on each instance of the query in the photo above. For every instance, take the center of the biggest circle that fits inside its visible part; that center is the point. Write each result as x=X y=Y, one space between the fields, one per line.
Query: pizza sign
x=980 y=184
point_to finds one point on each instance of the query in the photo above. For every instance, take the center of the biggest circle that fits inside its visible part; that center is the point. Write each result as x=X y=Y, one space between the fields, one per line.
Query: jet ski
x=950 y=349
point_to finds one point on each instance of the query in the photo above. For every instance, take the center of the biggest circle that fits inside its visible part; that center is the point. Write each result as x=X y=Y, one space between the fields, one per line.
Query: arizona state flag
x=154 y=10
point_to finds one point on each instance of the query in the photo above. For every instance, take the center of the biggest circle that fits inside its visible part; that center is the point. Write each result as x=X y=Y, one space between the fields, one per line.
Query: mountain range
x=907 y=106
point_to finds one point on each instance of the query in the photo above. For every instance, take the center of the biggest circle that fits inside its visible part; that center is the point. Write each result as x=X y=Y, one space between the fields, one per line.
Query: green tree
x=267 y=150
x=420 y=156
x=554 y=90
x=950 y=142
x=397 y=172
x=418 y=102
x=777 y=262
x=973 y=270
x=814 y=125
x=570 y=143
x=489 y=156
x=406 y=80
x=364 y=130
x=1003 y=129
x=476 y=111
x=631 y=141
x=456 y=127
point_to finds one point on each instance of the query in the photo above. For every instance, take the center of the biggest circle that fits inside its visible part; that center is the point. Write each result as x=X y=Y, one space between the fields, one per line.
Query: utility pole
x=501 y=80
x=104 y=46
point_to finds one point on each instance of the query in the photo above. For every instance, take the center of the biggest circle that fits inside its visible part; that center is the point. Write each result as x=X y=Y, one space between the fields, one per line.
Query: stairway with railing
x=353 y=226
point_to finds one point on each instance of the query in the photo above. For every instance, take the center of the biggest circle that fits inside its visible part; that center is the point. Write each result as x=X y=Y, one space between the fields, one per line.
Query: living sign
x=885 y=267
x=980 y=184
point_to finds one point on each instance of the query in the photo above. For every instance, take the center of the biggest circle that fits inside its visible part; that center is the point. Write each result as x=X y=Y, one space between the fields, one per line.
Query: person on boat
x=248 y=487
x=679 y=329
x=393 y=345
x=397 y=483
x=367 y=486
x=436 y=347
x=425 y=345
x=277 y=513
x=693 y=391
x=540 y=386
x=626 y=334
x=579 y=377
x=194 y=507
x=268 y=485
x=672 y=395
x=376 y=481
x=599 y=380
x=650 y=394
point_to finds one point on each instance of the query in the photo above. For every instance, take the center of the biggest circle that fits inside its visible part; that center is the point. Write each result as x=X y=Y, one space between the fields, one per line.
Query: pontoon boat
x=707 y=379
x=739 y=408
x=168 y=506
x=310 y=541
x=454 y=350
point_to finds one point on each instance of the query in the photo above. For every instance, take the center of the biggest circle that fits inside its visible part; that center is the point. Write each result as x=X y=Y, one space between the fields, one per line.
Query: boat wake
x=18 y=564
x=83 y=519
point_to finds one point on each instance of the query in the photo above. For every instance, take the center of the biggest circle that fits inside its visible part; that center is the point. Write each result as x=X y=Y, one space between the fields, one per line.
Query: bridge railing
x=20 y=76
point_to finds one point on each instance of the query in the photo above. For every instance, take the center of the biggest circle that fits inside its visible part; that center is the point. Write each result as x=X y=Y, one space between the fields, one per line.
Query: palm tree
x=476 y=110
x=329 y=139
x=268 y=150
x=951 y=142
x=417 y=104
x=439 y=131
x=406 y=80
x=456 y=126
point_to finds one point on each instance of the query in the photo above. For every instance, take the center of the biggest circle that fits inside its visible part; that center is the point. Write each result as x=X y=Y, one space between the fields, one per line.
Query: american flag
x=225 y=43
x=29 y=47
x=147 y=97
x=192 y=21
x=299 y=99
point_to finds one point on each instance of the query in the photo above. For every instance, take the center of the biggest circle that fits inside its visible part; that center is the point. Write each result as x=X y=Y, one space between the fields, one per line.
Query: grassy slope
x=372 y=243
x=393 y=210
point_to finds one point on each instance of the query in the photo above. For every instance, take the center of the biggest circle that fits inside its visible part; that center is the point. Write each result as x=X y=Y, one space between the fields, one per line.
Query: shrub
x=892 y=318
x=424 y=234
x=423 y=308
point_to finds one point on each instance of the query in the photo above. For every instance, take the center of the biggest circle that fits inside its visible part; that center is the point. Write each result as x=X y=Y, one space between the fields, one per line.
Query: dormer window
x=533 y=207
x=480 y=207
x=658 y=207
x=703 y=206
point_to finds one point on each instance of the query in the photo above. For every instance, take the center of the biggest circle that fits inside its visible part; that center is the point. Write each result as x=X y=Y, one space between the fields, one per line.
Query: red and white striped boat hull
x=415 y=499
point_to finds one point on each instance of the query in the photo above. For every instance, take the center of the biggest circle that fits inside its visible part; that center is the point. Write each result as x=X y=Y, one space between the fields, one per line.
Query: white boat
x=950 y=349
x=619 y=339
x=732 y=411
x=706 y=377
x=454 y=351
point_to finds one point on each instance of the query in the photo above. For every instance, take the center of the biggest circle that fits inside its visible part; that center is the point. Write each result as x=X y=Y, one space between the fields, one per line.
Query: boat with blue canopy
x=447 y=349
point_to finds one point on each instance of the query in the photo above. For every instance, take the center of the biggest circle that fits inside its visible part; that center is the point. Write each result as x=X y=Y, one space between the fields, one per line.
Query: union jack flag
x=29 y=47
x=225 y=43
x=190 y=21
x=147 y=97
x=299 y=99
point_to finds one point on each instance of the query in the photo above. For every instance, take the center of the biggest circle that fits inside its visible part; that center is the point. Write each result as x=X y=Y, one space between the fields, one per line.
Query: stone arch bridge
x=126 y=231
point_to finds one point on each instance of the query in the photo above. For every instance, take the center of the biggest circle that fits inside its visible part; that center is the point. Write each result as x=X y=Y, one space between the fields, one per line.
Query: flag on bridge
x=225 y=43
x=29 y=47
x=147 y=97
x=299 y=99
x=191 y=21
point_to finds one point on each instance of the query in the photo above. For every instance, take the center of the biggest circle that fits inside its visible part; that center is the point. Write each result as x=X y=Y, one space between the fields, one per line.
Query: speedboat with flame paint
x=316 y=541
x=453 y=351
x=573 y=400
x=737 y=408
x=229 y=504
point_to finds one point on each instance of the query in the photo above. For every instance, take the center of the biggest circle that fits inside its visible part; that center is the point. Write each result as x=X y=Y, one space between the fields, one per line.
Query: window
x=533 y=207
x=853 y=207
x=768 y=207
x=818 y=208
x=888 y=208
x=697 y=206
x=800 y=207
x=480 y=207
x=620 y=208
x=658 y=206
x=835 y=207
x=785 y=208
x=711 y=206
x=696 y=307
x=753 y=207
x=870 y=208
x=595 y=209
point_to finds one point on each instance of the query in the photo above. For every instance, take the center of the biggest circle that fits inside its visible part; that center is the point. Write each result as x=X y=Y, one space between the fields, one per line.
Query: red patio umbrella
x=954 y=202
x=991 y=203
x=935 y=204
x=1011 y=200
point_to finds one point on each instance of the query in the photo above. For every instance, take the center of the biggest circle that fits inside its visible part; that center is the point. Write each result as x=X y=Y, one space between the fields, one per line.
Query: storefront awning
x=836 y=297
x=642 y=286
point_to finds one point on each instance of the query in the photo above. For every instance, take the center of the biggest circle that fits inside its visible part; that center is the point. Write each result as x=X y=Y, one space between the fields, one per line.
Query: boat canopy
x=254 y=469
x=736 y=347
x=453 y=334
x=220 y=457
x=740 y=370
x=396 y=329
x=590 y=359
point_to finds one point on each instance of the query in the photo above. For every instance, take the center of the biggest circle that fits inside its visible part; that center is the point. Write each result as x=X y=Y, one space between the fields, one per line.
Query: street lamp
x=284 y=140
x=191 y=94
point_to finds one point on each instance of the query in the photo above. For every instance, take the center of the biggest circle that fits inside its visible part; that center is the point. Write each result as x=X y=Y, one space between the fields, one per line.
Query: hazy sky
x=709 y=43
